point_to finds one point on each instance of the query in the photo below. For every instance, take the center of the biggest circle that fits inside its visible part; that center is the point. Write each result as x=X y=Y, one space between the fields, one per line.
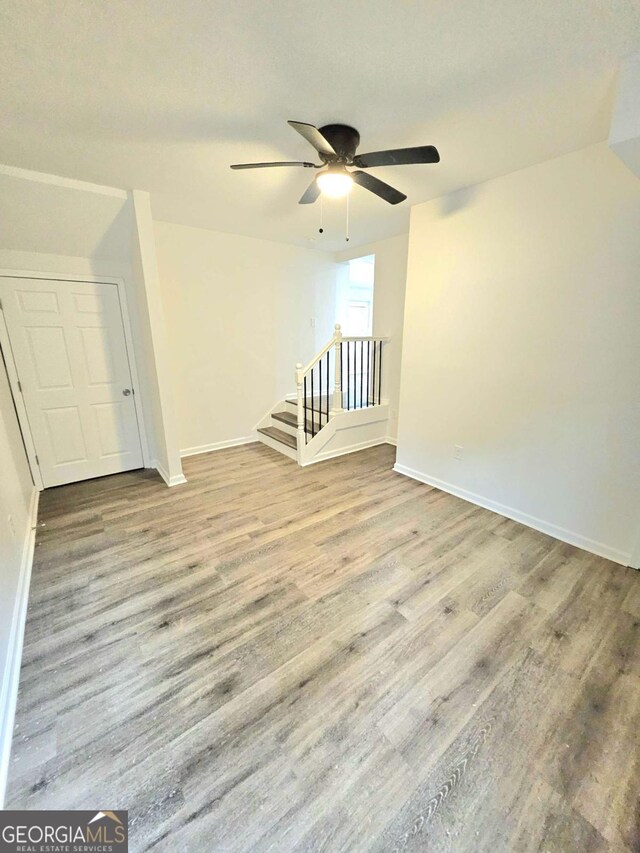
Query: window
x=354 y=308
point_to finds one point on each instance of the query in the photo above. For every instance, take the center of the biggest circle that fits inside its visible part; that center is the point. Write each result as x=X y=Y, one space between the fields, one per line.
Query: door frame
x=12 y=371
x=635 y=554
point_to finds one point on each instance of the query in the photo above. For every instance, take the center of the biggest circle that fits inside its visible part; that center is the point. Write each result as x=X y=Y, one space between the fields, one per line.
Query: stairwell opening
x=354 y=308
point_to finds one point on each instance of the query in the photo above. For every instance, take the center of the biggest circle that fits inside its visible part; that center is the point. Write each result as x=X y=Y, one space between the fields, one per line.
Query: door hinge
x=19 y=386
x=37 y=461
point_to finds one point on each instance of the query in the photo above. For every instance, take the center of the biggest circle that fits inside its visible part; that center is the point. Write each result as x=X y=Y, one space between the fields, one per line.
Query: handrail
x=365 y=338
x=337 y=337
x=322 y=352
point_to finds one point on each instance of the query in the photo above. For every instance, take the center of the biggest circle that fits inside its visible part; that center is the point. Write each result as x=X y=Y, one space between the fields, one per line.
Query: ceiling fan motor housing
x=344 y=140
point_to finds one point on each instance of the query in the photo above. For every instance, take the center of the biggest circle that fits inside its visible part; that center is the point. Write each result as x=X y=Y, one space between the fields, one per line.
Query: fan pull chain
x=321 y=228
x=346 y=237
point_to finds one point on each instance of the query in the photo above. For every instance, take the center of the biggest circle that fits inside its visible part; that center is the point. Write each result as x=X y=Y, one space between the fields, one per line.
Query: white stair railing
x=352 y=379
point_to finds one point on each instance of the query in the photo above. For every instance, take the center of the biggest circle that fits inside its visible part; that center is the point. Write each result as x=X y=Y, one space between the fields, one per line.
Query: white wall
x=56 y=216
x=239 y=316
x=624 y=135
x=522 y=345
x=388 y=310
x=16 y=496
x=152 y=350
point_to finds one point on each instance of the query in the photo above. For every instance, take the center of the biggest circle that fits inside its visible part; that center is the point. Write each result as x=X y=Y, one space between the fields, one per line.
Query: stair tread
x=291 y=419
x=279 y=435
x=286 y=418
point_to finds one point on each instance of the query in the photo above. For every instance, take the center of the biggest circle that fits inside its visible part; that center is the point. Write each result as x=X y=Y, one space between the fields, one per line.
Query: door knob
x=126 y=392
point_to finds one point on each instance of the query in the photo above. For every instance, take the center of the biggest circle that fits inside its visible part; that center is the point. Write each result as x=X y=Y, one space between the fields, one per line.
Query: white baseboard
x=218 y=445
x=390 y=440
x=352 y=448
x=568 y=536
x=11 y=679
x=176 y=480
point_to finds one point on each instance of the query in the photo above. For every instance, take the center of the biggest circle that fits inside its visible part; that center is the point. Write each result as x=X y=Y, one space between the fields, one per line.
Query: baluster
x=380 y=372
x=320 y=395
x=354 y=374
x=368 y=372
x=361 y=370
x=373 y=377
x=348 y=375
x=376 y=357
x=301 y=408
x=327 y=372
x=337 y=381
x=312 y=405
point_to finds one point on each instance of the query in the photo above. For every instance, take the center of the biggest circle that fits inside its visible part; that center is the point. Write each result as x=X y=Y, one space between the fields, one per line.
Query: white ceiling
x=164 y=95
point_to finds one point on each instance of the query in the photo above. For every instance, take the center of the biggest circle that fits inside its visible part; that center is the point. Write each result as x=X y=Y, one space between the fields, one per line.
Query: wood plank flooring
x=334 y=658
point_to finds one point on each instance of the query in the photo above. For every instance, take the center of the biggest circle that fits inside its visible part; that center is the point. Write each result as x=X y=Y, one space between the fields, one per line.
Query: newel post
x=300 y=410
x=337 y=382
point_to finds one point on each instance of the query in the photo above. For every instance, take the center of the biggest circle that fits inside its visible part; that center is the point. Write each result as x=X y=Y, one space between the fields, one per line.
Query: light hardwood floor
x=334 y=658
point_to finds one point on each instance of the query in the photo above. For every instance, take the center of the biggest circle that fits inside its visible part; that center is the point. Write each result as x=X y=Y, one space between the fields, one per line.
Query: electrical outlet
x=457 y=452
x=12 y=527
x=313 y=322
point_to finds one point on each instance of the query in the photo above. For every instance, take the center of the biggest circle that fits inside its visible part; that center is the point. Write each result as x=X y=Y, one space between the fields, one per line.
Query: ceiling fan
x=336 y=145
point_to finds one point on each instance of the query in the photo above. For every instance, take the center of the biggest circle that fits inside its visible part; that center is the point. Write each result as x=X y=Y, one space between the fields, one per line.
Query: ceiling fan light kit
x=336 y=182
x=336 y=146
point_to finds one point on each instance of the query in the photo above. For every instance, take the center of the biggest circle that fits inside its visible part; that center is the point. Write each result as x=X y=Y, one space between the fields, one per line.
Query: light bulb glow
x=335 y=184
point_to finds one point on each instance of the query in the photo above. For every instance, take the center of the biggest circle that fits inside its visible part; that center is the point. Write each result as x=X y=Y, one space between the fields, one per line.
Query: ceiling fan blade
x=398 y=157
x=269 y=165
x=375 y=185
x=313 y=135
x=311 y=193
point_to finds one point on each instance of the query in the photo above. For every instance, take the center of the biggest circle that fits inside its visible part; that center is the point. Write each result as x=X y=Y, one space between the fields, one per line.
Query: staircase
x=338 y=406
x=282 y=432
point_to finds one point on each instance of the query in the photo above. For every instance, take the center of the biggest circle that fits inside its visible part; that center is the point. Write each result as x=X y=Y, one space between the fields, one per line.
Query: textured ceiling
x=163 y=96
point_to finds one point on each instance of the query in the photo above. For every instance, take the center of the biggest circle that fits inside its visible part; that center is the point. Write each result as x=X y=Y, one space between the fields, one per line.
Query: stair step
x=279 y=435
x=291 y=420
x=286 y=418
x=320 y=403
x=317 y=401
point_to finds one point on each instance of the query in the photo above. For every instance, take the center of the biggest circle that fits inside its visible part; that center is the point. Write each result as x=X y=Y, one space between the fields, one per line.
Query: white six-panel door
x=68 y=345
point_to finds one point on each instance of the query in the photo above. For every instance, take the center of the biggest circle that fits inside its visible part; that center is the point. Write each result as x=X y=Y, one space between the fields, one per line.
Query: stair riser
x=285 y=427
x=319 y=415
